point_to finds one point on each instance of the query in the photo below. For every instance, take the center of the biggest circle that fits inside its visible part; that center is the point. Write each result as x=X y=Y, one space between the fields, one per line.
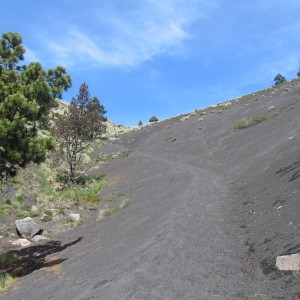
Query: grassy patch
x=6 y=261
x=104 y=159
x=108 y=212
x=6 y=280
x=250 y=122
x=41 y=182
x=125 y=203
x=171 y=139
x=115 y=199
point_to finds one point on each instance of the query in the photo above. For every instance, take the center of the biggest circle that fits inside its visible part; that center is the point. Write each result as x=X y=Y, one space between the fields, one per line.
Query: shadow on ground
x=25 y=261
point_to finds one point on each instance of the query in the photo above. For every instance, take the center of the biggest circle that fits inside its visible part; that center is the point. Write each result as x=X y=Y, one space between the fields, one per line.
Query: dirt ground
x=211 y=207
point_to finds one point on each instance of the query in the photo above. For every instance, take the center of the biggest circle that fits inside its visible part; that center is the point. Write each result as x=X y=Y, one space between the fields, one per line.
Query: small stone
x=38 y=238
x=27 y=228
x=270 y=108
x=74 y=217
x=1 y=236
x=288 y=262
x=34 y=208
x=21 y=242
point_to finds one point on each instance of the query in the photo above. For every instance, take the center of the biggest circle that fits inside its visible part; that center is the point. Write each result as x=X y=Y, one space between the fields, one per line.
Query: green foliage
x=26 y=95
x=140 y=123
x=250 y=122
x=21 y=213
x=125 y=203
x=153 y=119
x=77 y=128
x=298 y=73
x=279 y=79
x=6 y=279
x=108 y=212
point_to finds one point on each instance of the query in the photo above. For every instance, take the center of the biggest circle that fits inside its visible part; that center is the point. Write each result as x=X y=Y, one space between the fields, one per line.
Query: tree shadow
x=23 y=262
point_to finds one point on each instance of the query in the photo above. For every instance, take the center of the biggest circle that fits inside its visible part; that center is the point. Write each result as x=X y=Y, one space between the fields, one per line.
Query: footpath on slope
x=173 y=242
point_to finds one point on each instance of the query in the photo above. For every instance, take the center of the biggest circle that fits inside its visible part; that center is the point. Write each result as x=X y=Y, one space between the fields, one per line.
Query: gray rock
x=34 y=208
x=38 y=238
x=74 y=217
x=288 y=262
x=27 y=228
x=21 y=242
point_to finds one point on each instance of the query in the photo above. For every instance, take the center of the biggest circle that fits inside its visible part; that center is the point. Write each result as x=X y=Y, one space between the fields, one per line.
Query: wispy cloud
x=127 y=37
x=31 y=56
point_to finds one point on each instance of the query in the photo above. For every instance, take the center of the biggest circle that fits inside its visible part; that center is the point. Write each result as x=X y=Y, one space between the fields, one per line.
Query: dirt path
x=173 y=242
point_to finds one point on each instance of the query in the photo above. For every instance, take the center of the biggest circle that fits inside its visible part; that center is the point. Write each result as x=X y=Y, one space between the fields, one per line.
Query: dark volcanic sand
x=209 y=213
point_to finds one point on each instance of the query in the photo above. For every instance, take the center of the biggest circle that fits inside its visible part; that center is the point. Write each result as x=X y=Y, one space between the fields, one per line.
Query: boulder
x=27 y=228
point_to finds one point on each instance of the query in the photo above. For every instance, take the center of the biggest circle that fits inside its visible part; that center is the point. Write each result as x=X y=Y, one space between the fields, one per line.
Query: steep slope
x=211 y=208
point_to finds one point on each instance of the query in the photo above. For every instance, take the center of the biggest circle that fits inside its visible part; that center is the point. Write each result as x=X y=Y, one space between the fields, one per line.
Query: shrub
x=279 y=79
x=298 y=73
x=140 y=123
x=153 y=119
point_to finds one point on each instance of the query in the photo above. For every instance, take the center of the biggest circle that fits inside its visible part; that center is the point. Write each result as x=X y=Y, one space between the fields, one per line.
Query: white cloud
x=30 y=56
x=127 y=37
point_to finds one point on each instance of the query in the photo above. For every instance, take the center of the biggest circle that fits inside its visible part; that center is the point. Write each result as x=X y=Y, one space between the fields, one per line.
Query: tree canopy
x=153 y=119
x=279 y=79
x=26 y=95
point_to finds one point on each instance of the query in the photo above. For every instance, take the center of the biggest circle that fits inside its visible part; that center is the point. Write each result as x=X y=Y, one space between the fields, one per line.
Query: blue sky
x=160 y=57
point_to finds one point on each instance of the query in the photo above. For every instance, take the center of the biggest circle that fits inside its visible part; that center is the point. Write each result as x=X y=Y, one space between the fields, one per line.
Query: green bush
x=279 y=79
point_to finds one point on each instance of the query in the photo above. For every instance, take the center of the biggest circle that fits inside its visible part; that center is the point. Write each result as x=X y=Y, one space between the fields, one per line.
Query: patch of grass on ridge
x=250 y=122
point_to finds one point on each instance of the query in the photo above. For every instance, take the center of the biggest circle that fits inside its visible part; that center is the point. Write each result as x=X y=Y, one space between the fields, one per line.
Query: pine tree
x=153 y=119
x=77 y=128
x=279 y=79
x=26 y=95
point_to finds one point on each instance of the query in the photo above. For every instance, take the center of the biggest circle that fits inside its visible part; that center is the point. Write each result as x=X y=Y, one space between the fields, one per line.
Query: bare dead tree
x=77 y=128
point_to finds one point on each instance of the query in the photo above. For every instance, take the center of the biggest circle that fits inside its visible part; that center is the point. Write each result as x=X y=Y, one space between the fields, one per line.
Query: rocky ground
x=211 y=207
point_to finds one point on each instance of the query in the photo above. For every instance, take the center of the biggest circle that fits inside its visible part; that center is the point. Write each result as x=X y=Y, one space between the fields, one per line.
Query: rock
x=288 y=262
x=39 y=237
x=74 y=217
x=1 y=236
x=270 y=108
x=34 y=208
x=21 y=242
x=27 y=228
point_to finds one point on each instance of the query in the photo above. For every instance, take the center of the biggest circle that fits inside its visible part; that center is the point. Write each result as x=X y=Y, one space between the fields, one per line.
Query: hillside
x=214 y=199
